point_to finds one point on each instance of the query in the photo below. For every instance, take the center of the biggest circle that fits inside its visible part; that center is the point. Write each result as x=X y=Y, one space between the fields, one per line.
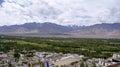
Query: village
x=47 y=59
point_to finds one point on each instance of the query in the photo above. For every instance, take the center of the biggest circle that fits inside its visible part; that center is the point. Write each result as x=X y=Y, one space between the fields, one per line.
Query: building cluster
x=48 y=59
x=113 y=61
x=39 y=59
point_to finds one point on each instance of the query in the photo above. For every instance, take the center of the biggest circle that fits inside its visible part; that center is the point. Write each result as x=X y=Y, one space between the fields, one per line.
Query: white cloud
x=80 y=12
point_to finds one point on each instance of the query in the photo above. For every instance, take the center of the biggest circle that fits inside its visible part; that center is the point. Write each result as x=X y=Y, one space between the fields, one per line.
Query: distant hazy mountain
x=35 y=28
x=99 y=30
x=95 y=31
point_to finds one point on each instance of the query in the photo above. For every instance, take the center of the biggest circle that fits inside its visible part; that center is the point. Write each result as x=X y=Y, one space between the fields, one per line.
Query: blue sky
x=1 y=1
x=64 y=12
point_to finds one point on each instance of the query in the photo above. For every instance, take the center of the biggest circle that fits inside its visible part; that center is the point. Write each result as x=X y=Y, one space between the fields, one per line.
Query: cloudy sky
x=65 y=12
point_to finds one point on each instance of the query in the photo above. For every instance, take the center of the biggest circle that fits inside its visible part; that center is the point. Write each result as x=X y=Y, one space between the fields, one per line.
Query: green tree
x=82 y=64
x=17 y=55
x=94 y=65
x=86 y=65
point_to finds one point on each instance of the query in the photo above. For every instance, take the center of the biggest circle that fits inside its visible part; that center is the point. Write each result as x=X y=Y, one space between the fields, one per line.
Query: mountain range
x=104 y=30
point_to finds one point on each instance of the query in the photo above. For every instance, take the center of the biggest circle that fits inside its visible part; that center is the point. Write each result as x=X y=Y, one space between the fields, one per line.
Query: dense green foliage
x=82 y=64
x=89 y=47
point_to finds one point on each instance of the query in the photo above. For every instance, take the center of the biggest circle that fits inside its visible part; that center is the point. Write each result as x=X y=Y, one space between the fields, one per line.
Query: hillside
x=103 y=30
x=35 y=28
